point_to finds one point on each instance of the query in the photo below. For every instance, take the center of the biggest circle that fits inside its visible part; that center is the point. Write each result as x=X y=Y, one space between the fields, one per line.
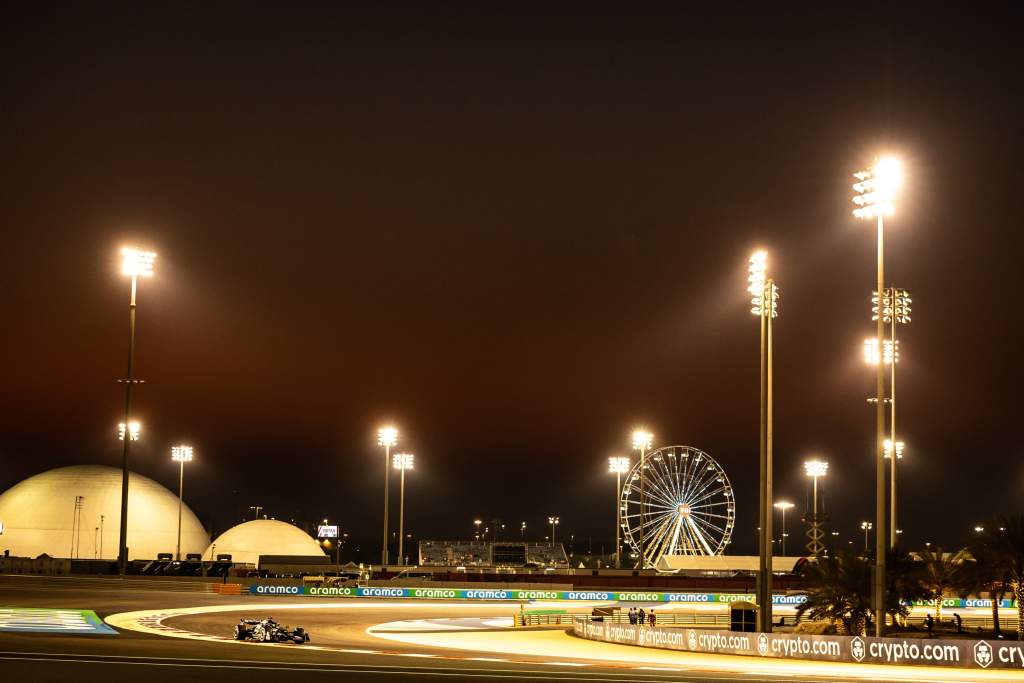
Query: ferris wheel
x=689 y=507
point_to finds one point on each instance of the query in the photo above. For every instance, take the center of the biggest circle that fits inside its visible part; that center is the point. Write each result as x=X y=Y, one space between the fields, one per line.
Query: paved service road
x=473 y=647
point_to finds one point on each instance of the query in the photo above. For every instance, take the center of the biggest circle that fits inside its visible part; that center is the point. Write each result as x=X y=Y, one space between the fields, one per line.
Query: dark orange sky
x=515 y=234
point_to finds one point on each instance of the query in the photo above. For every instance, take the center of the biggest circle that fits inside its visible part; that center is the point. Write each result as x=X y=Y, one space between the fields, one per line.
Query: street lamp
x=553 y=521
x=135 y=263
x=867 y=527
x=764 y=304
x=618 y=465
x=181 y=455
x=784 y=505
x=642 y=440
x=386 y=437
x=815 y=469
x=876 y=194
x=477 y=523
x=522 y=531
x=402 y=462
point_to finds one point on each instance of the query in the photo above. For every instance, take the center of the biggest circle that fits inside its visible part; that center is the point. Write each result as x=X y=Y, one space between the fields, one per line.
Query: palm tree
x=1007 y=540
x=940 y=574
x=980 y=573
x=905 y=578
x=840 y=591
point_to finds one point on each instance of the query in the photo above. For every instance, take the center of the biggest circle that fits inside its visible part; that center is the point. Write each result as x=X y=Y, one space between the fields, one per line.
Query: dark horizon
x=517 y=236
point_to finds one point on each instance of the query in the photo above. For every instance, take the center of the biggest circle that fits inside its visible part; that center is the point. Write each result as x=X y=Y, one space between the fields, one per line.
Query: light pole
x=477 y=523
x=876 y=192
x=894 y=309
x=181 y=455
x=402 y=462
x=618 y=465
x=386 y=437
x=866 y=527
x=642 y=440
x=815 y=469
x=522 y=531
x=784 y=505
x=553 y=521
x=764 y=304
x=135 y=263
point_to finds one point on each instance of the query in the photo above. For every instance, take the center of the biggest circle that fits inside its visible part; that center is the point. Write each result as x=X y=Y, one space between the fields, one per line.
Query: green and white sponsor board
x=517 y=595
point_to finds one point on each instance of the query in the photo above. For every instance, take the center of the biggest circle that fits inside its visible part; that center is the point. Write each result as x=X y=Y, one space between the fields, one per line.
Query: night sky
x=517 y=235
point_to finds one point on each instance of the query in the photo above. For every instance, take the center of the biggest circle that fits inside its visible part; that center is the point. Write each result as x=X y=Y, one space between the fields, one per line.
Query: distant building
x=75 y=512
x=491 y=554
x=246 y=542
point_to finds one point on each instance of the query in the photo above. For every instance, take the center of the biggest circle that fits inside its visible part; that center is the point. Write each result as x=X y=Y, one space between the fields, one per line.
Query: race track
x=166 y=635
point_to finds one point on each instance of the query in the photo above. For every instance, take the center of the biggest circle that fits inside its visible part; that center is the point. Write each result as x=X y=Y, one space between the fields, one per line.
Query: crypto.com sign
x=970 y=654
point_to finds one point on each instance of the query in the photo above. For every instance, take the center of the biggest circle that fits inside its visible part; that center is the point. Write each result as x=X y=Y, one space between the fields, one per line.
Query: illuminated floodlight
x=895 y=304
x=553 y=520
x=402 y=461
x=617 y=464
x=137 y=263
x=816 y=468
x=784 y=505
x=887 y=449
x=181 y=453
x=134 y=431
x=876 y=188
x=761 y=290
x=891 y=354
x=642 y=440
x=387 y=436
x=867 y=526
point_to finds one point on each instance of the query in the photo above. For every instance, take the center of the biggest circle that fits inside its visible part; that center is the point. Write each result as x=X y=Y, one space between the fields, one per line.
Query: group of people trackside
x=639 y=616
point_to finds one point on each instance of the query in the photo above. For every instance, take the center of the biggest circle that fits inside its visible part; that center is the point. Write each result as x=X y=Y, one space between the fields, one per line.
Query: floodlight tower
x=784 y=505
x=893 y=309
x=553 y=521
x=135 y=263
x=642 y=440
x=876 y=193
x=181 y=455
x=764 y=304
x=618 y=465
x=386 y=437
x=402 y=462
x=815 y=469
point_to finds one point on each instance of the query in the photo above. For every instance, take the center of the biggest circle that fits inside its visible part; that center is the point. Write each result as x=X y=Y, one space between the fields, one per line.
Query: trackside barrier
x=970 y=654
x=515 y=595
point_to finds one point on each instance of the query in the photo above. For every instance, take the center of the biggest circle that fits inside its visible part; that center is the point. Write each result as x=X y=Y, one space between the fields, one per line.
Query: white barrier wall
x=972 y=654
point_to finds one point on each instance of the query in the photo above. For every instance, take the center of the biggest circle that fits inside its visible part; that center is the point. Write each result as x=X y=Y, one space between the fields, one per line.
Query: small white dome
x=247 y=541
x=39 y=515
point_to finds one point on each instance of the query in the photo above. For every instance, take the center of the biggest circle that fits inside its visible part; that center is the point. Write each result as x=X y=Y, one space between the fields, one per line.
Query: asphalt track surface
x=352 y=649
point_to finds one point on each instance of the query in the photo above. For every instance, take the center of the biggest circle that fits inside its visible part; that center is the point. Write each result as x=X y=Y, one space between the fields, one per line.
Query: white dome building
x=248 y=540
x=39 y=516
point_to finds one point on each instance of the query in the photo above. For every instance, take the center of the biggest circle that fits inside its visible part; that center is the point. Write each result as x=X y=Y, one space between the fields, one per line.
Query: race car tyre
x=259 y=634
x=240 y=632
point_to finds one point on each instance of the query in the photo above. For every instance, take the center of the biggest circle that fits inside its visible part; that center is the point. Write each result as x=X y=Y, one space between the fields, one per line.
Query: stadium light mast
x=764 y=304
x=181 y=455
x=618 y=465
x=893 y=309
x=876 y=190
x=642 y=440
x=402 y=462
x=386 y=437
x=135 y=263
x=553 y=521
x=815 y=469
x=784 y=505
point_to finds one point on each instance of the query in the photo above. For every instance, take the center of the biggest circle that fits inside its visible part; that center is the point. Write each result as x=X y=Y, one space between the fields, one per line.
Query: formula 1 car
x=269 y=631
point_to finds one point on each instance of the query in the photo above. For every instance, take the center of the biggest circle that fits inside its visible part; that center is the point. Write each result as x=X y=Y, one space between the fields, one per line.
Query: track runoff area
x=161 y=635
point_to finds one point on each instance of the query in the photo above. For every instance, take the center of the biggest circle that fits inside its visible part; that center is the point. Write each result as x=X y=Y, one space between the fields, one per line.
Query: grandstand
x=490 y=554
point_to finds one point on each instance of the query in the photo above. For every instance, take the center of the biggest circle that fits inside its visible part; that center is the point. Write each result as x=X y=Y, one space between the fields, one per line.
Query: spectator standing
x=643 y=616
x=654 y=618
